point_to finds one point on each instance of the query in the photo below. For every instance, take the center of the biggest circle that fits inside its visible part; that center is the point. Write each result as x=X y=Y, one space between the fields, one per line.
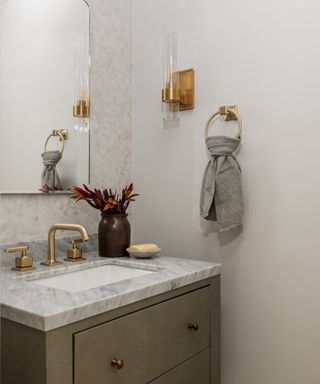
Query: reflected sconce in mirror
x=178 y=88
x=81 y=105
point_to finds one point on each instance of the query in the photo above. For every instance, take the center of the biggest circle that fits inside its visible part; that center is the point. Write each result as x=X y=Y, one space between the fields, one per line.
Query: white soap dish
x=143 y=254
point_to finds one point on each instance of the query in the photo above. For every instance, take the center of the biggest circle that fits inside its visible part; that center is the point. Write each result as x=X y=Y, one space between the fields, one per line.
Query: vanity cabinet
x=172 y=338
x=193 y=371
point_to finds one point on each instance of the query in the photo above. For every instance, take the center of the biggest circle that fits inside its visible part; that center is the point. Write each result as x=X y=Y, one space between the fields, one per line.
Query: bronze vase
x=114 y=235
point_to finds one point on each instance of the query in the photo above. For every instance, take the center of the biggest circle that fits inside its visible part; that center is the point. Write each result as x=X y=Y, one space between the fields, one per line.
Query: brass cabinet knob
x=117 y=363
x=193 y=326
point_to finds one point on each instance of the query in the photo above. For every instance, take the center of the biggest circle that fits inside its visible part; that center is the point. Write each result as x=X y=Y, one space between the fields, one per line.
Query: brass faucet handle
x=22 y=262
x=75 y=253
x=22 y=250
x=76 y=241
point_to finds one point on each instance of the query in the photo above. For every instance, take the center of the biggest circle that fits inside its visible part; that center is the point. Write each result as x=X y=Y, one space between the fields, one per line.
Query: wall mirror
x=44 y=95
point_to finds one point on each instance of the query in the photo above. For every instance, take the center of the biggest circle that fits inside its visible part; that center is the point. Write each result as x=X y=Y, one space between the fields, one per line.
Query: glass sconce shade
x=170 y=91
x=178 y=86
x=81 y=100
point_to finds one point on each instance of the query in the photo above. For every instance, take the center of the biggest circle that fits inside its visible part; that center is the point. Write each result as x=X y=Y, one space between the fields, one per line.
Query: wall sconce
x=81 y=105
x=178 y=89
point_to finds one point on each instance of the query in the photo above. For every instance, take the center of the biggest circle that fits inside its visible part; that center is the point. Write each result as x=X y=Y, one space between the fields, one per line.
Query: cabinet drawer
x=194 y=371
x=149 y=342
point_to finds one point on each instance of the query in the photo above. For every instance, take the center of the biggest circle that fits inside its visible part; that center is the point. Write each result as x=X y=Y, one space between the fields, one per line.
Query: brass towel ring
x=229 y=113
x=62 y=134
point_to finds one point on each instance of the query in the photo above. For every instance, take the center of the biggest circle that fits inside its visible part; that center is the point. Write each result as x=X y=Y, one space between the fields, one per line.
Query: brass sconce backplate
x=186 y=80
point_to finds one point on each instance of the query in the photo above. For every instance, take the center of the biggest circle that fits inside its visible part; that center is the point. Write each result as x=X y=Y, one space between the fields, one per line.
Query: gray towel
x=50 y=175
x=221 y=192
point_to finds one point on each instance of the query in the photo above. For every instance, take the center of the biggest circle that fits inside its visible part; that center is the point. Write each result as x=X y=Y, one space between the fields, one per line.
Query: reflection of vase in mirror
x=43 y=44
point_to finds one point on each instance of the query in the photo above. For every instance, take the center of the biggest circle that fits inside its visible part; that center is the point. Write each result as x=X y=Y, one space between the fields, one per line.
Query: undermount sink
x=91 y=278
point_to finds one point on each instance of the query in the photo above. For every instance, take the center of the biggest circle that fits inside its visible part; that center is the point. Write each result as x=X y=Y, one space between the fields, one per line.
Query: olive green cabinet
x=172 y=338
x=195 y=370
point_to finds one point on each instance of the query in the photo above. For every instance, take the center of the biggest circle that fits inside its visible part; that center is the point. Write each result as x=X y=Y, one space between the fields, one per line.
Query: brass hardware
x=170 y=95
x=186 y=80
x=75 y=253
x=22 y=262
x=230 y=113
x=194 y=326
x=62 y=134
x=81 y=109
x=185 y=94
x=51 y=240
x=117 y=363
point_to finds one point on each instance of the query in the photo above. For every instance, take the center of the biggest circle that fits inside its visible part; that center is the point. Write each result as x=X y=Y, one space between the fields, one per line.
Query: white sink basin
x=91 y=278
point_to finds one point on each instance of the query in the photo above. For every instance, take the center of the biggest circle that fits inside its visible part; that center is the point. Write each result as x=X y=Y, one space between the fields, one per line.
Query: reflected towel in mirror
x=50 y=177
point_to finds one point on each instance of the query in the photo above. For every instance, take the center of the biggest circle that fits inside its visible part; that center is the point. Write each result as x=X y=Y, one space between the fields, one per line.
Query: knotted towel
x=221 y=192
x=50 y=175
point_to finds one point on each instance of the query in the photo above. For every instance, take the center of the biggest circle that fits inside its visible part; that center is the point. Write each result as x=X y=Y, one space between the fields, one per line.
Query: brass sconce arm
x=184 y=94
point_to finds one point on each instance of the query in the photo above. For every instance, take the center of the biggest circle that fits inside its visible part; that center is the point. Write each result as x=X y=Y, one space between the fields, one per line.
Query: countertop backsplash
x=38 y=249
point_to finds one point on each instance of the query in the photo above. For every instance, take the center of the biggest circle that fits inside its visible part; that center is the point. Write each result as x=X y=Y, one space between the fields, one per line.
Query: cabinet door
x=193 y=371
x=149 y=342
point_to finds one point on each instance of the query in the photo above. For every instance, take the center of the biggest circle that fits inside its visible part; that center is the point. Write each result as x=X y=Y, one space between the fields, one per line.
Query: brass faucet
x=51 y=240
x=24 y=261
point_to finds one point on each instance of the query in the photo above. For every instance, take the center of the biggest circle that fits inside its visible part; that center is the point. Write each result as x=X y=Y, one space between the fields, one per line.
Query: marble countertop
x=46 y=308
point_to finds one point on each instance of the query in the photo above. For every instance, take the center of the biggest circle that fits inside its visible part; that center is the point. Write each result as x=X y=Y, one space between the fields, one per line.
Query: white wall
x=264 y=56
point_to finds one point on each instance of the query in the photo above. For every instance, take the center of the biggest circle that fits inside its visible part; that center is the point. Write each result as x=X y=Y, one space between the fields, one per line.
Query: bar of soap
x=148 y=247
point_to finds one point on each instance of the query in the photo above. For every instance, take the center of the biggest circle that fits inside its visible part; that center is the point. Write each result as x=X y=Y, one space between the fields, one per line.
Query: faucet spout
x=51 y=240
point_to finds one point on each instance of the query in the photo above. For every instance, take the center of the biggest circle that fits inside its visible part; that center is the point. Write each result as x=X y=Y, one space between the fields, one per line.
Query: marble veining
x=47 y=308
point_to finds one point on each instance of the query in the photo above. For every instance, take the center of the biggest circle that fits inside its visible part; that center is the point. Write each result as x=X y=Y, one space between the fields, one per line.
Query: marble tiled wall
x=28 y=217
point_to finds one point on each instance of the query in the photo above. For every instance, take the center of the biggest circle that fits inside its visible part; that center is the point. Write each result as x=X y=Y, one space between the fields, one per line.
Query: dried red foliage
x=46 y=189
x=106 y=200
